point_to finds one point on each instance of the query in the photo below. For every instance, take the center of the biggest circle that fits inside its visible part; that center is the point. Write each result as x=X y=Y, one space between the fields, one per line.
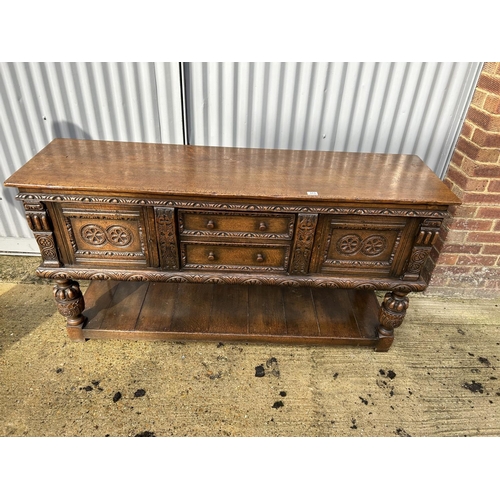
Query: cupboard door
x=362 y=245
x=108 y=237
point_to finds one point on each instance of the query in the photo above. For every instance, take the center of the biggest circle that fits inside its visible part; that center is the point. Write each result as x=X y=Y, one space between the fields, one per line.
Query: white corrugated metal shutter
x=410 y=108
x=138 y=102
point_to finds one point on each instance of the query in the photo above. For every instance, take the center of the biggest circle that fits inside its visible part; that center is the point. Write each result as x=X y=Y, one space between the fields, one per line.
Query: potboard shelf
x=184 y=311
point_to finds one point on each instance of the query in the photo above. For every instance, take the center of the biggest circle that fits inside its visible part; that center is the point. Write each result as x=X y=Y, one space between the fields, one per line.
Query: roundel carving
x=115 y=235
x=93 y=234
x=119 y=236
x=349 y=244
x=374 y=245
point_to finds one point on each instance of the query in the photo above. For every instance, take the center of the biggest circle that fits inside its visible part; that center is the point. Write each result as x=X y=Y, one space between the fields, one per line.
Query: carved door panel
x=354 y=245
x=106 y=236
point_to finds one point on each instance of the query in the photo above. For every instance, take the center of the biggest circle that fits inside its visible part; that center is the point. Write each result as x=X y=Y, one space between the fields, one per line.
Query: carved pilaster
x=304 y=238
x=70 y=304
x=39 y=222
x=427 y=236
x=391 y=315
x=167 y=237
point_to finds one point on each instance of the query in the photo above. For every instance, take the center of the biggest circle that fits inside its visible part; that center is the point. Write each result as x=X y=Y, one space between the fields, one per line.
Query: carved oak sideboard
x=191 y=242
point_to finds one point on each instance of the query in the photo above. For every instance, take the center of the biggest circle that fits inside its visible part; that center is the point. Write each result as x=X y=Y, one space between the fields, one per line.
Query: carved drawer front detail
x=304 y=240
x=167 y=237
x=355 y=245
x=39 y=222
x=426 y=237
x=116 y=235
x=235 y=224
x=108 y=236
x=238 y=257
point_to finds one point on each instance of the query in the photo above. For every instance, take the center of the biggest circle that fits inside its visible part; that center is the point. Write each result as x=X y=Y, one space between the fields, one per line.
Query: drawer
x=234 y=257
x=237 y=224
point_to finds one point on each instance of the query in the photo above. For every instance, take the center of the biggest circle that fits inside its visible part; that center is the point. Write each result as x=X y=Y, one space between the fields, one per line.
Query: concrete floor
x=439 y=379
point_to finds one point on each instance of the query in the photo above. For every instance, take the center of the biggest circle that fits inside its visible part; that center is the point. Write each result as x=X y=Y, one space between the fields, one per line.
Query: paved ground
x=441 y=377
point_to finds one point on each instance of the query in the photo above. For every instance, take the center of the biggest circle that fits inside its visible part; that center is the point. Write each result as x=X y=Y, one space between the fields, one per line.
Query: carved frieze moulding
x=400 y=212
x=233 y=278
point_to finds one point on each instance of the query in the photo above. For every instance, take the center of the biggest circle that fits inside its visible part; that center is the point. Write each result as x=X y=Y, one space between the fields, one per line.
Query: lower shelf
x=186 y=311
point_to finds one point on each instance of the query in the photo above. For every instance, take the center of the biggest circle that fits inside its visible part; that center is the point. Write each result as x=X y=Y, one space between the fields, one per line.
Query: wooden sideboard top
x=113 y=168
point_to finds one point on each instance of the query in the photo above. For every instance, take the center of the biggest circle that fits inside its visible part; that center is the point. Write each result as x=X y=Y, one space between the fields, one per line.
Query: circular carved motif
x=119 y=235
x=45 y=242
x=374 y=245
x=417 y=259
x=420 y=255
x=93 y=234
x=349 y=244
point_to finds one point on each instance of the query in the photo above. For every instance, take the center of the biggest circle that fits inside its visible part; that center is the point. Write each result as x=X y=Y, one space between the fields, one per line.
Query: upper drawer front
x=236 y=225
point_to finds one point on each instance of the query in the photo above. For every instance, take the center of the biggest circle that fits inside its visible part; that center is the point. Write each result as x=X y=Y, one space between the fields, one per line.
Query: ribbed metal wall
x=138 y=102
x=410 y=108
x=413 y=108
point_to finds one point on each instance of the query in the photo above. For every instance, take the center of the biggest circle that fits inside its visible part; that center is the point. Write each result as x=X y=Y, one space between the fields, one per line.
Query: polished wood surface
x=72 y=165
x=161 y=311
x=188 y=232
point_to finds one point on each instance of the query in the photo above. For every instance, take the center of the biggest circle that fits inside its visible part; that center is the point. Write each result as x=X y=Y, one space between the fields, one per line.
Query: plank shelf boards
x=188 y=311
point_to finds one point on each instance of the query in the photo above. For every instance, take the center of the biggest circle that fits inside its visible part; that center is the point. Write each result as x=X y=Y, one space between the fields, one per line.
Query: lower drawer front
x=234 y=257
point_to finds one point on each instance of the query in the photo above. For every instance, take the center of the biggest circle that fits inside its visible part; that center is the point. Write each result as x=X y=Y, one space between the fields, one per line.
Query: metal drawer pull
x=211 y=256
x=260 y=257
x=262 y=226
x=210 y=224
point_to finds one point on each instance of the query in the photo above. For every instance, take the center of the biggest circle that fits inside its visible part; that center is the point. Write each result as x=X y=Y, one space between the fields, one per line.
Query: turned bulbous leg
x=70 y=304
x=391 y=315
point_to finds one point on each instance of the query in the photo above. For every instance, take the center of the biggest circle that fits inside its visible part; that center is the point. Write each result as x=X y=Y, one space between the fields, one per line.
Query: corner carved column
x=391 y=315
x=70 y=304
x=39 y=222
x=427 y=236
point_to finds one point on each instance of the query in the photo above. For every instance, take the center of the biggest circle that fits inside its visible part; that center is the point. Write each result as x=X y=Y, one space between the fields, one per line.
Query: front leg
x=70 y=304
x=391 y=315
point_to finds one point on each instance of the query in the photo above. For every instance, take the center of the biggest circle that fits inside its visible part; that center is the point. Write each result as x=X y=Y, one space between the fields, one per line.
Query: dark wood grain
x=193 y=306
x=335 y=313
x=158 y=308
x=72 y=165
x=97 y=301
x=365 y=308
x=300 y=312
x=266 y=310
x=176 y=224
x=274 y=318
x=125 y=306
x=229 y=312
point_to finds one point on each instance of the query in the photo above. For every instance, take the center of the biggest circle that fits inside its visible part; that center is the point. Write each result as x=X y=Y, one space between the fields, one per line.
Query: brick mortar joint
x=475 y=108
x=465 y=174
x=479 y=146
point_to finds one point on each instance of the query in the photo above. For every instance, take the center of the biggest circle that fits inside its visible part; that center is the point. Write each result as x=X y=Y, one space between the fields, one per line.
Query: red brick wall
x=469 y=263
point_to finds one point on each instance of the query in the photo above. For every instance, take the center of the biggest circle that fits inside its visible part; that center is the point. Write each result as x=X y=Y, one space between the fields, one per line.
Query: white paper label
x=312 y=193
